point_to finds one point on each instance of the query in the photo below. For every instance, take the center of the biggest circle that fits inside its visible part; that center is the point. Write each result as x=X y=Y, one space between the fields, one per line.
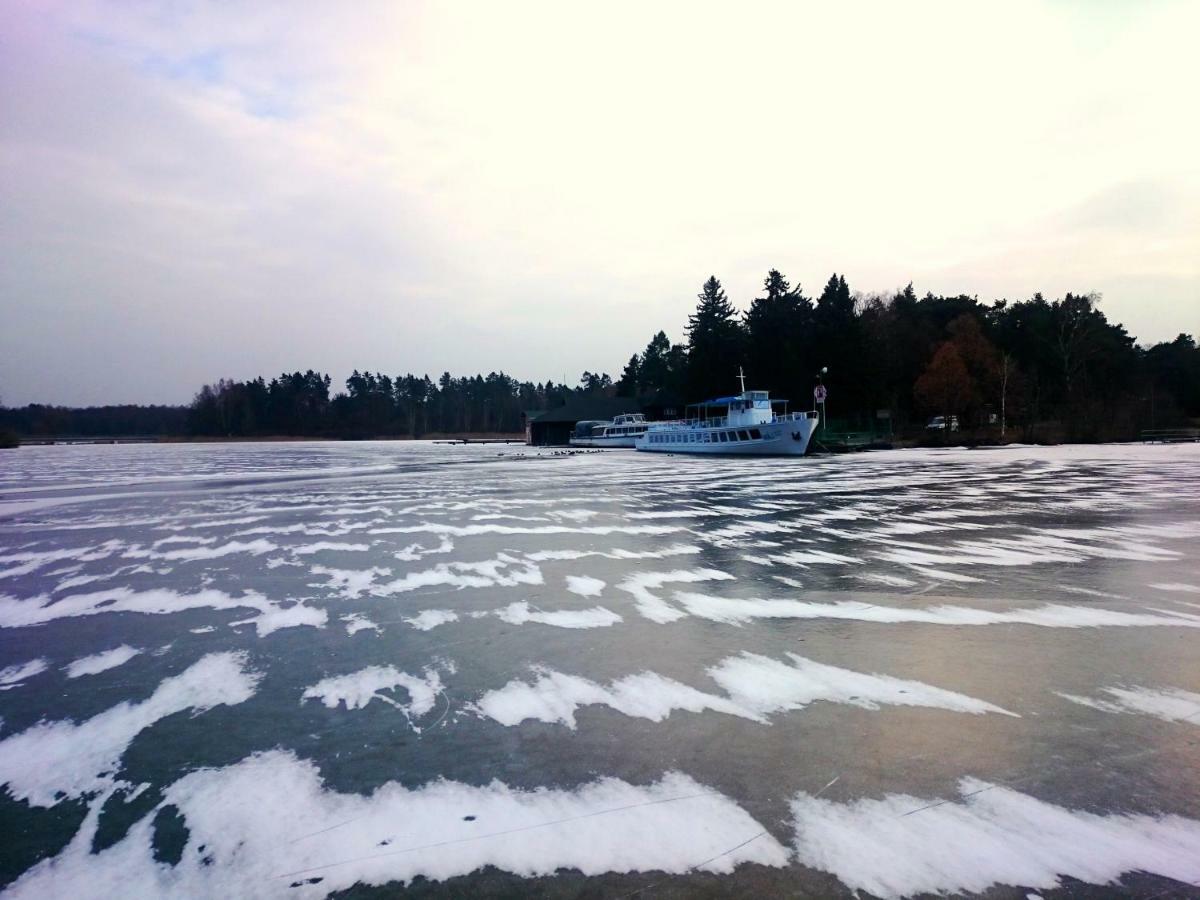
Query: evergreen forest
x=1038 y=369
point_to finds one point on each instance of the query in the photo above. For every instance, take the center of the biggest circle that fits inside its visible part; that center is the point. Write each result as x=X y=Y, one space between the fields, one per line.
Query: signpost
x=819 y=394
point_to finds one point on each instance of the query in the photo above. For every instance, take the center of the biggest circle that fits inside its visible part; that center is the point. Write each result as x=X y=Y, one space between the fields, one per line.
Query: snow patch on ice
x=992 y=836
x=74 y=759
x=654 y=607
x=1174 y=586
x=768 y=686
x=472 y=530
x=270 y=827
x=350 y=583
x=802 y=558
x=736 y=611
x=897 y=581
x=254 y=548
x=503 y=571
x=31 y=560
x=101 y=662
x=294 y=616
x=1169 y=704
x=15 y=613
x=356 y=623
x=554 y=697
x=520 y=613
x=615 y=553
x=356 y=689
x=413 y=552
x=13 y=676
x=585 y=585
x=756 y=687
x=428 y=619
x=322 y=546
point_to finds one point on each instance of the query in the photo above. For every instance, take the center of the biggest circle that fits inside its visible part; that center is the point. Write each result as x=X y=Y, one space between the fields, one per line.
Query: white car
x=938 y=423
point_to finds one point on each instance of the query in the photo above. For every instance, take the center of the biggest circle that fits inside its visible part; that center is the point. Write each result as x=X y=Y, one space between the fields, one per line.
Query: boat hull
x=785 y=437
x=625 y=440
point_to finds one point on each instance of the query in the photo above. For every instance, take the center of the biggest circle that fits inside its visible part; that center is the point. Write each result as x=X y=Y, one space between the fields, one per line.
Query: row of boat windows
x=707 y=437
x=624 y=430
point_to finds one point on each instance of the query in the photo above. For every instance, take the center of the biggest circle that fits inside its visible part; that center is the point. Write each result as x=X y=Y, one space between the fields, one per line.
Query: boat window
x=743 y=436
x=755 y=434
x=724 y=435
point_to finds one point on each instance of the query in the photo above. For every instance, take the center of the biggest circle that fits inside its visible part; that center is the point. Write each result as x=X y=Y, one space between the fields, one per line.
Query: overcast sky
x=191 y=191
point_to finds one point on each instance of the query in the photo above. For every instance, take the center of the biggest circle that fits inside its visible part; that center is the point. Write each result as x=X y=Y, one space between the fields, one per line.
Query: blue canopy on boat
x=725 y=401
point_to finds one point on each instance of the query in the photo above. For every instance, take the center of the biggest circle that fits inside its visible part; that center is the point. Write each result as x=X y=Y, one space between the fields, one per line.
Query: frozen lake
x=289 y=670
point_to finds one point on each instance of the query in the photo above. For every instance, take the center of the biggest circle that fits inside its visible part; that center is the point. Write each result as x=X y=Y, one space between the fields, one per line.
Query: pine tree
x=778 y=331
x=627 y=384
x=715 y=343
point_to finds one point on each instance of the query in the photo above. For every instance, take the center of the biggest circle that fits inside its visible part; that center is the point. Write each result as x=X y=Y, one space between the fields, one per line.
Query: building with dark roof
x=553 y=428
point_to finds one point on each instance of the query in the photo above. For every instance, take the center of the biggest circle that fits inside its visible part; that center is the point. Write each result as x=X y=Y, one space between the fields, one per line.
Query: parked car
x=938 y=423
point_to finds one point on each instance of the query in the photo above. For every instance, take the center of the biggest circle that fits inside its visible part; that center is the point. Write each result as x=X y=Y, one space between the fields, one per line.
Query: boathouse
x=553 y=428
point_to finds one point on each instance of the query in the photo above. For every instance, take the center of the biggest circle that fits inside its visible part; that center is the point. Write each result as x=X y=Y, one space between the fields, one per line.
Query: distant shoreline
x=46 y=440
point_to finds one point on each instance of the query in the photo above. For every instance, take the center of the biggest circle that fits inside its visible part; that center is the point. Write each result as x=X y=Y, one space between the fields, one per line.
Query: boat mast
x=742 y=378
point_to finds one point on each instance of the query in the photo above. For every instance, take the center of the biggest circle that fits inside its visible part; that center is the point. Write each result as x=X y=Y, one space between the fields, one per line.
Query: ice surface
x=900 y=845
x=268 y=825
x=73 y=759
x=863 y=554
x=101 y=662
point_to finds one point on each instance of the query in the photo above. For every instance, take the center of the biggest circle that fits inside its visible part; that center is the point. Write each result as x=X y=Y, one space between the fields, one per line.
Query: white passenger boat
x=749 y=427
x=622 y=431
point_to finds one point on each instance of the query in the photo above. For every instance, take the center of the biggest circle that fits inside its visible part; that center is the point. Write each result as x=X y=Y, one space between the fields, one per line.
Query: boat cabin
x=743 y=410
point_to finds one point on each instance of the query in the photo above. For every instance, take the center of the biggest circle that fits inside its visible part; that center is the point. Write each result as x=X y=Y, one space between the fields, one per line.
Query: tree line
x=1039 y=369
x=1034 y=369
x=373 y=404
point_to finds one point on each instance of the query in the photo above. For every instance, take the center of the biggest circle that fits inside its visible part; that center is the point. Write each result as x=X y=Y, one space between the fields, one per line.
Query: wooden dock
x=482 y=441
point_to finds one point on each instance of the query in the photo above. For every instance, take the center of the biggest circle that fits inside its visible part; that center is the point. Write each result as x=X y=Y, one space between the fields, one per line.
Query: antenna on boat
x=742 y=378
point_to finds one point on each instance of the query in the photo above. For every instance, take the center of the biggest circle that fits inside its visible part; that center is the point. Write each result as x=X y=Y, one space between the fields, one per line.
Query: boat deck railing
x=723 y=422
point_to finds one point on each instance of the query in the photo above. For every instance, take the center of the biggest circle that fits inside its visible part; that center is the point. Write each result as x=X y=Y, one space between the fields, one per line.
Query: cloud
x=394 y=187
